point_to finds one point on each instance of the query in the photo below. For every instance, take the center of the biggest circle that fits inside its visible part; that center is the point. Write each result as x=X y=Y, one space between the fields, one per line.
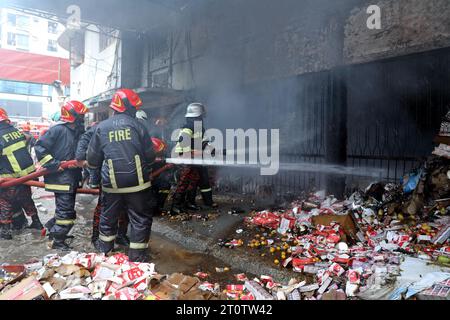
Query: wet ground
x=169 y=256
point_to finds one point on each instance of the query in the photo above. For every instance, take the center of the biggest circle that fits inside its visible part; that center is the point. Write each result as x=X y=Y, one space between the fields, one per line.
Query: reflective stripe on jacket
x=59 y=144
x=120 y=146
x=15 y=160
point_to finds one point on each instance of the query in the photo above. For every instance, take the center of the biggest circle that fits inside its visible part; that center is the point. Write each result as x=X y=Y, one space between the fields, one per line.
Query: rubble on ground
x=353 y=246
x=390 y=241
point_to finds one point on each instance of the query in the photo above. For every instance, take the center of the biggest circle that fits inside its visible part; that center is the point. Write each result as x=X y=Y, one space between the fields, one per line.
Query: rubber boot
x=139 y=255
x=20 y=222
x=208 y=200
x=36 y=223
x=49 y=225
x=191 y=203
x=104 y=247
x=122 y=239
x=59 y=243
x=161 y=200
x=177 y=204
x=5 y=232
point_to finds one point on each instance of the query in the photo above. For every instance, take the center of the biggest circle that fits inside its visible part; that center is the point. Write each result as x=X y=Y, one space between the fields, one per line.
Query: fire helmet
x=141 y=115
x=125 y=99
x=73 y=110
x=158 y=145
x=26 y=127
x=195 y=110
x=4 y=115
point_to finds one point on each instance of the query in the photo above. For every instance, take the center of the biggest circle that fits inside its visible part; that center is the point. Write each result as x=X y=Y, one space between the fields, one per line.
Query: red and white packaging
x=102 y=272
x=142 y=285
x=86 y=260
x=336 y=269
x=235 y=287
x=118 y=259
x=333 y=238
x=354 y=276
x=132 y=274
x=241 y=277
x=342 y=258
x=127 y=294
x=206 y=286
x=201 y=275
x=248 y=296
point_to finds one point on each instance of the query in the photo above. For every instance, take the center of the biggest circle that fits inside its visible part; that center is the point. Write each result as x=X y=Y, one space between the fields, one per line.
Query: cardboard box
x=345 y=221
x=27 y=289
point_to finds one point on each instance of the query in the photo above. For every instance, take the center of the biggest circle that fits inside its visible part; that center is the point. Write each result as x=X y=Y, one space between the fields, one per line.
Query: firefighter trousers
x=65 y=215
x=16 y=199
x=161 y=190
x=191 y=178
x=139 y=207
x=123 y=221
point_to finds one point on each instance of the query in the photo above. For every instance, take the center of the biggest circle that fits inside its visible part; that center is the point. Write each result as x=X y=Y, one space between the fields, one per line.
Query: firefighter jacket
x=59 y=144
x=120 y=146
x=189 y=139
x=83 y=143
x=15 y=160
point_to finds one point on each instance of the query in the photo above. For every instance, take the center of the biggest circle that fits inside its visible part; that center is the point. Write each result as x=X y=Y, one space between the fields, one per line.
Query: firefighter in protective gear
x=141 y=115
x=184 y=195
x=57 y=145
x=15 y=162
x=120 y=147
x=94 y=183
x=161 y=184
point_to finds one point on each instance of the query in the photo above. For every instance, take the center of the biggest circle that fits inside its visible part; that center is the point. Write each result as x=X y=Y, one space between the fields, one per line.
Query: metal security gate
x=394 y=109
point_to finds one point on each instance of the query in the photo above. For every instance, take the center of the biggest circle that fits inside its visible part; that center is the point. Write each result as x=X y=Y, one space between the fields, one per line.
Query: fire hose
x=29 y=179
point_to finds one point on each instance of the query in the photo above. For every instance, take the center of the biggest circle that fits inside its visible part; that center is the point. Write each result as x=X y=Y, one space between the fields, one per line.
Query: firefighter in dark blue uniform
x=120 y=147
x=57 y=145
x=15 y=162
x=94 y=182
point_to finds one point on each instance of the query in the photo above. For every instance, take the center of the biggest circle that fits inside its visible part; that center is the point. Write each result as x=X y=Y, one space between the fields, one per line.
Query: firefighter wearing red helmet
x=57 y=145
x=15 y=162
x=120 y=147
x=94 y=180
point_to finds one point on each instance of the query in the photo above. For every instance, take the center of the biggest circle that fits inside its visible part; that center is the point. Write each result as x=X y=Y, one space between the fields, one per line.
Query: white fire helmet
x=195 y=110
x=140 y=114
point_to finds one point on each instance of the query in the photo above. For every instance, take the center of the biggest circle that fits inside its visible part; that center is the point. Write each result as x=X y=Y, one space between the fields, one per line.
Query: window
x=106 y=38
x=24 y=88
x=23 y=41
x=52 y=46
x=11 y=39
x=52 y=27
x=22 y=22
x=11 y=20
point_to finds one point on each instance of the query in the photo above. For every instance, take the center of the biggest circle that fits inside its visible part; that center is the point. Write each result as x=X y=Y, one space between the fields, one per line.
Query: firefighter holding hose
x=192 y=176
x=57 y=145
x=15 y=162
x=120 y=147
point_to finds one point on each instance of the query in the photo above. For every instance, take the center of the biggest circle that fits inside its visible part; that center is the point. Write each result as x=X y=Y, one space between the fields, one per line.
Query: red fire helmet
x=125 y=99
x=71 y=110
x=26 y=127
x=158 y=145
x=3 y=115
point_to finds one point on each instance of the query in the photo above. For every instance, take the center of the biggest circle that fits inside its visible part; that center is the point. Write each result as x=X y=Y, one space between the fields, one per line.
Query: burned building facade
x=340 y=92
